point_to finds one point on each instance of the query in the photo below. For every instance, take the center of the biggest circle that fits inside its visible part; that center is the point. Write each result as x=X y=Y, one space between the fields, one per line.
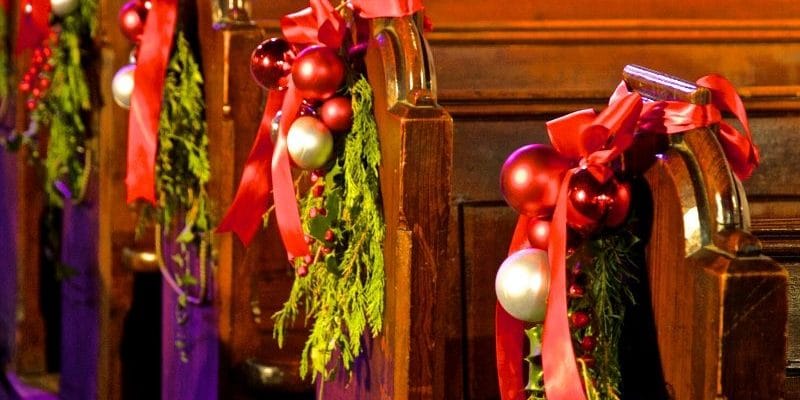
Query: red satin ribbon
x=151 y=68
x=33 y=27
x=598 y=139
x=319 y=23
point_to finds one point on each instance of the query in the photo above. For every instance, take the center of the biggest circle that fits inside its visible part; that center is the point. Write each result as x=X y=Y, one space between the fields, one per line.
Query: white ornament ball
x=309 y=143
x=122 y=86
x=63 y=7
x=522 y=284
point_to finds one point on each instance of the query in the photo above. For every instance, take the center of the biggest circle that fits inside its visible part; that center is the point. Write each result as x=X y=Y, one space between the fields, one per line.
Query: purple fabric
x=196 y=378
x=26 y=392
x=80 y=299
x=8 y=262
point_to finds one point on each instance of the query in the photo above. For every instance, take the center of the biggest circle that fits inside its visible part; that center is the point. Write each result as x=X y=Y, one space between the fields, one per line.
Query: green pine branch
x=343 y=292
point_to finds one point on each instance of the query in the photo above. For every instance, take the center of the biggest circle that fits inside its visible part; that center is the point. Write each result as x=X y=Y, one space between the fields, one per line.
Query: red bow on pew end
x=592 y=142
x=268 y=167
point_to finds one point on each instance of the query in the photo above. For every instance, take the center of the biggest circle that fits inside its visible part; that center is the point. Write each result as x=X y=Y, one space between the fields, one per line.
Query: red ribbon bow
x=145 y=111
x=598 y=139
x=318 y=24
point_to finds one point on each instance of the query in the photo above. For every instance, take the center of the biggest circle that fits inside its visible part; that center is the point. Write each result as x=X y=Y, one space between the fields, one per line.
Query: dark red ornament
x=337 y=114
x=588 y=343
x=579 y=319
x=539 y=233
x=530 y=179
x=270 y=63
x=618 y=211
x=588 y=201
x=318 y=72
x=131 y=20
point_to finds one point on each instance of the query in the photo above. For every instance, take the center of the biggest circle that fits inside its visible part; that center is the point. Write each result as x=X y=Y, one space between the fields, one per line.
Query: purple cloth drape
x=197 y=377
x=80 y=299
x=8 y=263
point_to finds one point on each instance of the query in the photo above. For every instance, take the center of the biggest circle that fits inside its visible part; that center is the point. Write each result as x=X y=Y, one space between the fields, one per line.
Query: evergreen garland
x=5 y=70
x=343 y=291
x=65 y=106
x=605 y=263
x=183 y=168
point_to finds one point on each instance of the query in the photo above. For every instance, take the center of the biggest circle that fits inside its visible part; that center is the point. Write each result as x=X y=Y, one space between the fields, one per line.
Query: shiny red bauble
x=318 y=72
x=618 y=212
x=337 y=114
x=591 y=203
x=588 y=343
x=530 y=179
x=131 y=20
x=539 y=233
x=270 y=63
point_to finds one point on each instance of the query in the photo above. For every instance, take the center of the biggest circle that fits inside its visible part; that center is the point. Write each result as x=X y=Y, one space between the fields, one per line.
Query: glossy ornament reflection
x=522 y=284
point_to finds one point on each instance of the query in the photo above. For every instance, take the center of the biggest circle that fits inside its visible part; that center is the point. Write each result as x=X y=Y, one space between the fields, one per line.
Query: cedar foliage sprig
x=610 y=277
x=343 y=292
x=5 y=70
x=66 y=104
x=183 y=170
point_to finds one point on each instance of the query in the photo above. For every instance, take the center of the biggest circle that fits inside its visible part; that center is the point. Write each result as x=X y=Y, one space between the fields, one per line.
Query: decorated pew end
x=719 y=305
x=655 y=286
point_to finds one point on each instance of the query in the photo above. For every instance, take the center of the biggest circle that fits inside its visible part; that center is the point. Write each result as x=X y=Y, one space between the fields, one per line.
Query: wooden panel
x=484 y=226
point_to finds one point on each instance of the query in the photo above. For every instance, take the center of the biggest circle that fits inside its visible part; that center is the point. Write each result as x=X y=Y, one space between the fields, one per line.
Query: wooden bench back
x=719 y=306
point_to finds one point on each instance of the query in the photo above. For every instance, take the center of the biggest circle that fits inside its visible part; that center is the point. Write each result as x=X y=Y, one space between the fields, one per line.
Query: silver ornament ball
x=122 y=86
x=309 y=142
x=63 y=7
x=522 y=284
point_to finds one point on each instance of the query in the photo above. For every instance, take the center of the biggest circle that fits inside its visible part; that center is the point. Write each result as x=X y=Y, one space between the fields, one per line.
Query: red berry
x=36 y=92
x=329 y=235
x=38 y=59
x=312 y=212
x=326 y=250
x=30 y=104
x=47 y=67
x=588 y=343
x=24 y=86
x=46 y=52
x=302 y=270
x=579 y=319
x=308 y=239
x=32 y=71
x=44 y=83
x=322 y=211
x=307 y=259
x=318 y=190
x=576 y=291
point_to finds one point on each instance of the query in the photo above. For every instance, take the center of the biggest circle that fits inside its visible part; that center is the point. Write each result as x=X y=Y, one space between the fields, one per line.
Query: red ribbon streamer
x=151 y=67
x=319 y=23
x=32 y=27
x=598 y=139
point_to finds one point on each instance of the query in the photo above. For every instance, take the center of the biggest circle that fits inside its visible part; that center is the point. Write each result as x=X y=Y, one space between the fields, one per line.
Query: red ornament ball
x=618 y=211
x=131 y=20
x=318 y=72
x=337 y=114
x=530 y=179
x=539 y=233
x=270 y=63
x=588 y=202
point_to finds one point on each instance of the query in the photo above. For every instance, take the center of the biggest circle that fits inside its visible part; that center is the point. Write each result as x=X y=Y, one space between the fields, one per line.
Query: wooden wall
x=505 y=68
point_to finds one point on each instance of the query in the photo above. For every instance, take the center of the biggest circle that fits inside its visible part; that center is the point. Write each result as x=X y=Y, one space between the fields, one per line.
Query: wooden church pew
x=719 y=306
